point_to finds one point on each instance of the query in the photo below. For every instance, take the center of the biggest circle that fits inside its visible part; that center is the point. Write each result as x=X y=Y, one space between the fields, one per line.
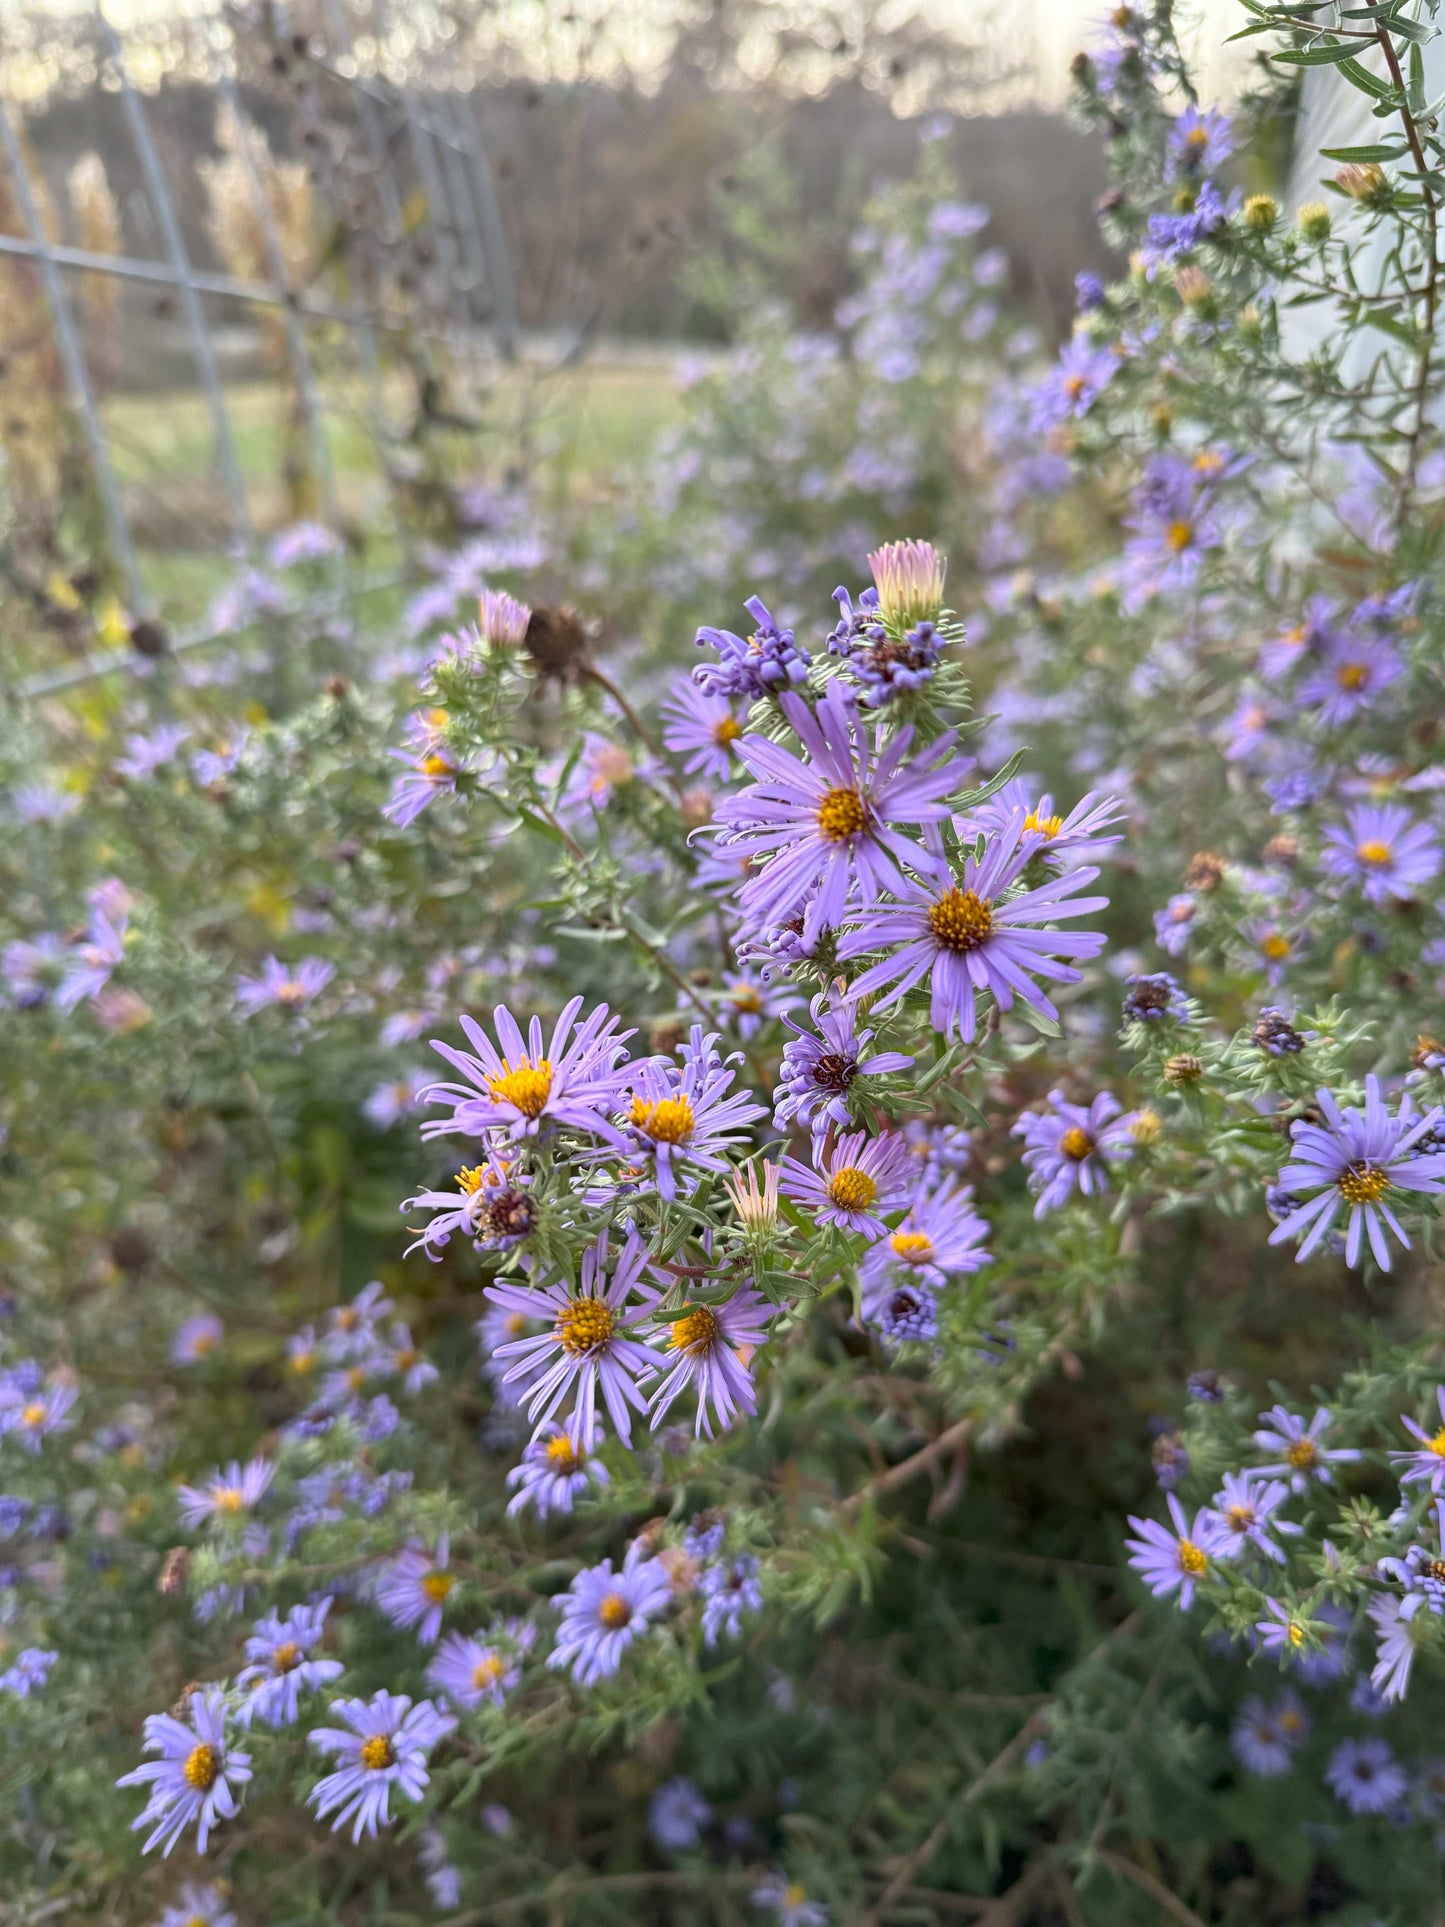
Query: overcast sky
x=1056 y=29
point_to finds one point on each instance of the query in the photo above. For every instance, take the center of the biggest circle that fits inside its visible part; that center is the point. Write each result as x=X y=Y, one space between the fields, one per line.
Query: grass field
x=580 y=431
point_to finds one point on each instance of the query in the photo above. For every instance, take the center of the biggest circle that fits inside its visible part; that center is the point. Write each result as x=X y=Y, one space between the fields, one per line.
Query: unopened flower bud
x=1314 y=221
x=1261 y=211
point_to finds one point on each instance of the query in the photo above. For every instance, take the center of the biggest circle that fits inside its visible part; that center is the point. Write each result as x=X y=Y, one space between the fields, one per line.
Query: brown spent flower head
x=174 y=1572
x=1194 y=287
x=557 y=643
x=1184 y=1069
x=1282 y=851
x=1204 y=872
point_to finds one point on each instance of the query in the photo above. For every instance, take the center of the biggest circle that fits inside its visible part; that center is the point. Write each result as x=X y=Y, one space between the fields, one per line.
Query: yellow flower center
x=727 y=731
x=1437 y=1444
x=228 y=1498
x=436 y=1586
x=669 y=1121
x=583 y=1325
x=851 y=1189
x=1289 y=1719
x=1191 y=1559
x=1363 y=1183
x=1275 y=947
x=1179 y=535
x=913 y=1247
x=1241 y=1517
x=614 y=1612
x=960 y=920
x=1302 y=1454
x=1373 y=852
x=202 y=1768
x=486 y=1672
x=1074 y=386
x=286 y=1658
x=435 y=766
x=377 y=1753
x=561 y=1455
x=34 y=1414
x=795 y=1895
x=841 y=814
x=1076 y=1143
x=1295 y=1633
x=302 y=1361
x=695 y=1332
x=470 y=1179
x=516 y=1324
x=1352 y=675
x=1043 y=825
x=525 y=1086
x=743 y=997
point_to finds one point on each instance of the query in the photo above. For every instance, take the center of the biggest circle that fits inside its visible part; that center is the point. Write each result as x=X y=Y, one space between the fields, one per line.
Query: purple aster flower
x=1353 y=672
x=1328 y=1659
x=905 y=1311
x=146 y=754
x=1304 y=641
x=572 y=1081
x=31 y=1410
x=212 y=766
x=413 y=1589
x=469 y=1672
x=198 y=1906
x=388 y=1746
x=701 y=728
x=685 y=1115
x=1154 y=999
x=197 y=1338
x=29 y=1672
x=502 y=620
x=431 y=771
x=604 y=1611
x=1200 y=143
x=226 y=1494
x=491 y=1205
x=96 y=959
x=788 y=1899
x=1425 y=1465
x=748 y=1004
x=1174 y=527
x=960 y=931
x=1356 y=1158
x=710 y=1343
x=1089 y=292
x=1065 y=841
x=820 y=1067
x=1171 y=235
x=394 y=1099
x=1421 y=1573
x=1383 y=849
x=39 y=803
x=1070 y=389
x=281 y=1667
x=829 y=826
x=1398 y=1635
x=676 y=1816
x=887 y=661
x=1239 y=1517
x=195 y=1779
x=940 y=1234
x=1248 y=729
x=1282 y=1634
x=588 y=1344
x=768 y=662
x=443 y=1880
x=731 y=1593
x=555 y=1473
x=603 y=768
x=401 y=1356
x=1266 y=1738
x=1172 y=923
x=1170 y=1561
x=853 y=1181
x=1366 y=1776
x=1071 y=1146
x=286 y=989
x=32 y=968
x=303 y=542
x=1301 y=1454
x=351 y=1328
